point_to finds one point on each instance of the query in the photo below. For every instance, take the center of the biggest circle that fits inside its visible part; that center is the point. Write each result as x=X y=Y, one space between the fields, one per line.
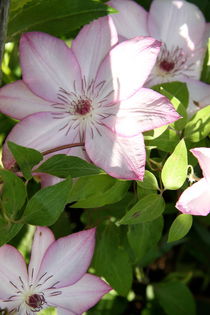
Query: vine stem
x=4 y=10
x=63 y=147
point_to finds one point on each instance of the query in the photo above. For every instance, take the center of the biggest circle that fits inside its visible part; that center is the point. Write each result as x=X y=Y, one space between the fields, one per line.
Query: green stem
x=4 y=9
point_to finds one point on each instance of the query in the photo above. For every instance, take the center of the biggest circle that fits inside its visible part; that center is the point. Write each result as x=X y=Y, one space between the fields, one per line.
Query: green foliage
x=26 y=158
x=111 y=260
x=180 y=227
x=146 y=209
x=175 y=298
x=149 y=182
x=174 y=171
x=53 y=17
x=199 y=125
x=167 y=141
x=61 y=165
x=205 y=75
x=47 y=204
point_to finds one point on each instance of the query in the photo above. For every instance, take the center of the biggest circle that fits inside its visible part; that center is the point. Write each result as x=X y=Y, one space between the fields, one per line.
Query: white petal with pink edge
x=47 y=65
x=176 y=23
x=41 y=131
x=143 y=111
x=203 y=156
x=82 y=295
x=120 y=157
x=13 y=272
x=195 y=200
x=126 y=68
x=73 y=253
x=43 y=238
x=17 y=101
x=131 y=21
x=92 y=44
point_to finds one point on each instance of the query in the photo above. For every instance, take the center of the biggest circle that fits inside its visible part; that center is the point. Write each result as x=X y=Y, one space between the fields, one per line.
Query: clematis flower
x=182 y=29
x=90 y=93
x=196 y=199
x=56 y=275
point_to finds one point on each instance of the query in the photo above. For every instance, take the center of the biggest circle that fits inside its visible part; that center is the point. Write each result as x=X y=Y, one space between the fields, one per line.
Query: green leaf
x=166 y=141
x=205 y=75
x=199 y=125
x=180 y=227
x=111 y=260
x=47 y=204
x=18 y=4
x=13 y=193
x=97 y=191
x=149 y=182
x=8 y=230
x=53 y=17
x=61 y=165
x=144 y=236
x=175 y=298
x=155 y=133
x=26 y=158
x=174 y=171
x=147 y=209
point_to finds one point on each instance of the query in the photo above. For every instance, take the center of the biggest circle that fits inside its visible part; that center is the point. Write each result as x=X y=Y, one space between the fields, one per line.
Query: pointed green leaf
x=26 y=158
x=61 y=165
x=199 y=125
x=47 y=204
x=149 y=182
x=8 y=230
x=174 y=171
x=166 y=141
x=13 y=194
x=147 y=209
x=180 y=227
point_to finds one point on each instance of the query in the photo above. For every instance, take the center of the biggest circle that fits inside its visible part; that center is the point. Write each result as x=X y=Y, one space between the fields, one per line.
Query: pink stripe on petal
x=68 y=258
x=82 y=295
x=48 y=65
x=92 y=44
x=203 y=156
x=195 y=200
x=43 y=238
x=17 y=101
x=120 y=157
x=126 y=68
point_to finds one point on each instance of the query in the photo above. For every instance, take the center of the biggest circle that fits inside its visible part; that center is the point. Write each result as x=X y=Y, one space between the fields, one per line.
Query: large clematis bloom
x=182 y=29
x=90 y=93
x=56 y=275
x=196 y=199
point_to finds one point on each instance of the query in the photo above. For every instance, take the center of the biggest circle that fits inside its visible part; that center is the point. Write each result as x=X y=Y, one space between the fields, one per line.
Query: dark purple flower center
x=83 y=107
x=36 y=301
x=167 y=65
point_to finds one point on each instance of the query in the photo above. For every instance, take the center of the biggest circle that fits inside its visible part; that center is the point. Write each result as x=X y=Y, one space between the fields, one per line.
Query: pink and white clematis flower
x=56 y=275
x=181 y=27
x=90 y=93
x=196 y=199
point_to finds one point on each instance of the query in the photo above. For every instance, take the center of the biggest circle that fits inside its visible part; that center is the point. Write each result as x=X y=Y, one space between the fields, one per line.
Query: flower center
x=36 y=301
x=83 y=106
x=167 y=65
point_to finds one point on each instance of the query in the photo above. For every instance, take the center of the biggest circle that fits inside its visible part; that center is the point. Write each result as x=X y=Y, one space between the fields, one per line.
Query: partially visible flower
x=196 y=199
x=90 y=94
x=56 y=275
x=181 y=27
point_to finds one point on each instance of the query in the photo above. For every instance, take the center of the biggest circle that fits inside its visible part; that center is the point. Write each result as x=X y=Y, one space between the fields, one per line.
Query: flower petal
x=80 y=296
x=41 y=131
x=143 y=111
x=13 y=271
x=73 y=253
x=203 y=156
x=199 y=95
x=43 y=238
x=176 y=23
x=47 y=65
x=62 y=311
x=92 y=44
x=17 y=101
x=129 y=11
x=126 y=68
x=120 y=157
x=195 y=199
